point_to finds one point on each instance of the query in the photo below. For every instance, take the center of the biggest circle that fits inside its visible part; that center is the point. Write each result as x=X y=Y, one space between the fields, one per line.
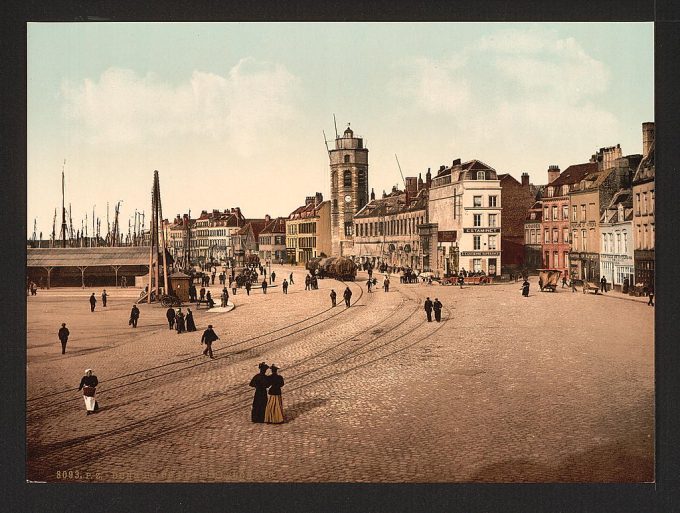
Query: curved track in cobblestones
x=165 y=372
x=318 y=368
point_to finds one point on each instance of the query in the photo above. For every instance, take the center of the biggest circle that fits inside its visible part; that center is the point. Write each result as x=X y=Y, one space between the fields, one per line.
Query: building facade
x=463 y=226
x=272 y=240
x=616 y=244
x=518 y=198
x=386 y=229
x=588 y=200
x=533 y=258
x=555 y=224
x=349 y=188
x=308 y=230
x=643 y=211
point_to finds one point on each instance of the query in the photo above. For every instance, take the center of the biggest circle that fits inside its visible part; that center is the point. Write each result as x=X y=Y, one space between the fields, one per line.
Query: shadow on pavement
x=297 y=409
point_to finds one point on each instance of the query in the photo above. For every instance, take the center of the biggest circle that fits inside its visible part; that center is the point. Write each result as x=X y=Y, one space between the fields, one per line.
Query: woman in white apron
x=88 y=385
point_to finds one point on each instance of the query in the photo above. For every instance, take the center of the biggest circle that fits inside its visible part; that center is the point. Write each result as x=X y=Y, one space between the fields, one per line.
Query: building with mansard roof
x=308 y=230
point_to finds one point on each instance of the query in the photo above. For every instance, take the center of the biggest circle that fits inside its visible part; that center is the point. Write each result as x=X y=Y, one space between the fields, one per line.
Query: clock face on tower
x=348 y=198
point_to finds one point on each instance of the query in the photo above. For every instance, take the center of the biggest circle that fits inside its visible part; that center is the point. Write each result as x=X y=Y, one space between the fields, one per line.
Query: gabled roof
x=623 y=197
x=646 y=168
x=277 y=225
x=574 y=174
x=307 y=210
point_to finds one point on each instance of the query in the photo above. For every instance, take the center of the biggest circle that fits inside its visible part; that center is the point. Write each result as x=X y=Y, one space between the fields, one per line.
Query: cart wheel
x=166 y=301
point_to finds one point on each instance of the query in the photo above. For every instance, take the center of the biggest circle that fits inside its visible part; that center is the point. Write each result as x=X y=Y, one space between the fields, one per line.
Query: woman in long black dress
x=191 y=326
x=179 y=322
x=260 y=382
x=273 y=414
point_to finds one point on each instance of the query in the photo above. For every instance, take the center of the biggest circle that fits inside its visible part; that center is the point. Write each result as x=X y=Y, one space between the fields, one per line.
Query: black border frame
x=17 y=495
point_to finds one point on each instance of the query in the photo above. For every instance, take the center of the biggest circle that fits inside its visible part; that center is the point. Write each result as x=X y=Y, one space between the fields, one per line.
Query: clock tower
x=349 y=188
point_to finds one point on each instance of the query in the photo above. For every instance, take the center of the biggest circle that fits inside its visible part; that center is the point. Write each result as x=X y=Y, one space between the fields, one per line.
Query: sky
x=234 y=114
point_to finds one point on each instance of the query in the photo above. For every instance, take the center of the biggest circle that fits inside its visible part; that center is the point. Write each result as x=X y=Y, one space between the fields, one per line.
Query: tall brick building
x=517 y=199
x=643 y=208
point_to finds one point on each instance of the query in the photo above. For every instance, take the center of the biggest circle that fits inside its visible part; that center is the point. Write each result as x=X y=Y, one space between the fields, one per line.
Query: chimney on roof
x=455 y=163
x=525 y=179
x=428 y=178
x=372 y=194
x=318 y=199
x=553 y=173
x=384 y=194
x=647 y=137
x=267 y=219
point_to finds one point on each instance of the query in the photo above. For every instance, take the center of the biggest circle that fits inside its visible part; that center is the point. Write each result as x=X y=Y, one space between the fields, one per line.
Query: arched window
x=480 y=175
x=347 y=178
x=346 y=159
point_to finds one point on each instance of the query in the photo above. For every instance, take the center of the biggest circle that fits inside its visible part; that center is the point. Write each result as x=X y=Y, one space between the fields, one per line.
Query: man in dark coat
x=170 y=314
x=93 y=301
x=290 y=279
x=273 y=276
x=603 y=284
x=461 y=280
x=347 y=295
x=284 y=285
x=334 y=296
x=192 y=293
x=104 y=296
x=248 y=287
x=437 y=307
x=202 y=294
x=260 y=382
x=650 y=293
x=134 y=316
x=208 y=338
x=179 y=322
x=308 y=281
x=63 y=337
x=209 y=299
x=428 y=309
x=264 y=286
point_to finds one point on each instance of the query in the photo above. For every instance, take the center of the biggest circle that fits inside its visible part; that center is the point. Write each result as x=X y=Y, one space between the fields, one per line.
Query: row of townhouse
x=597 y=219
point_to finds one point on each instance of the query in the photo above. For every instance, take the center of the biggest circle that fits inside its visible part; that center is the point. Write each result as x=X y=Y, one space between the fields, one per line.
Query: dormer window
x=550 y=192
x=565 y=190
x=480 y=175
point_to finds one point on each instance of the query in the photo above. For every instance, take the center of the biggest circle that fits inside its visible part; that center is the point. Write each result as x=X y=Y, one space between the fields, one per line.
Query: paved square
x=553 y=387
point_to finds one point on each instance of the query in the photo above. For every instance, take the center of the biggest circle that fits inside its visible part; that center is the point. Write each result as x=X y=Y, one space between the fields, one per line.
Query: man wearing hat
x=63 y=337
x=208 y=338
x=260 y=382
x=428 y=309
x=348 y=296
x=93 y=302
x=437 y=306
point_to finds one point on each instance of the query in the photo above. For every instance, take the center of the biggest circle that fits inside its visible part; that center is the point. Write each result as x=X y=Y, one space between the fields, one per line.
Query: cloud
x=519 y=90
x=122 y=107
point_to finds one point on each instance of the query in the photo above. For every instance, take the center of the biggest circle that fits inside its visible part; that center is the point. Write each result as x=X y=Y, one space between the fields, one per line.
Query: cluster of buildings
x=593 y=219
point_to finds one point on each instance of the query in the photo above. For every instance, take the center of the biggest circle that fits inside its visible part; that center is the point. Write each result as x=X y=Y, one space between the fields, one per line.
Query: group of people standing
x=179 y=321
x=267 y=409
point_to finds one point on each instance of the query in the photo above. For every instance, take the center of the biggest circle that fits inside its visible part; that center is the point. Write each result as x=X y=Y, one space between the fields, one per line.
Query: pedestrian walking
x=428 y=309
x=264 y=286
x=308 y=281
x=170 y=315
x=273 y=413
x=93 y=302
x=284 y=285
x=461 y=280
x=273 y=276
x=437 y=307
x=202 y=294
x=63 y=337
x=525 y=288
x=603 y=284
x=369 y=285
x=208 y=338
x=334 y=297
x=212 y=278
x=650 y=293
x=123 y=282
x=260 y=382
x=34 y=289
x=386 y=284
x=248 y=287
x=104 y=296
x=88 y=384
x=224 y=297
x=347 y=295
x=564 y=281
x=209 y=299
x=180 y=322
x=191 y=325
x=290 y=279
x=192 y=293
x=134 y=316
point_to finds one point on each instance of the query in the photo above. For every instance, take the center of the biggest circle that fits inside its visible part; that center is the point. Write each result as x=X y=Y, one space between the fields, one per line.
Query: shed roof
x=90 y=257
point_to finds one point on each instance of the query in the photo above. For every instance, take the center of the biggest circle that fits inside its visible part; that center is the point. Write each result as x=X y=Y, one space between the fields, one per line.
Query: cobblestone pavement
x=553 y=387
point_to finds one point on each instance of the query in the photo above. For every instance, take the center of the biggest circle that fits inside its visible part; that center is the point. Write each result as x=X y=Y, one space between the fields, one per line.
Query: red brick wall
x=516 y=200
